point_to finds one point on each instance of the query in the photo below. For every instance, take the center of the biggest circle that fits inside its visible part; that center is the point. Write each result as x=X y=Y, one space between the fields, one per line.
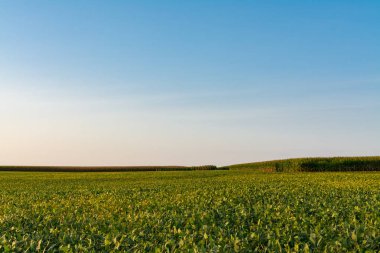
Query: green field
x=196 y=211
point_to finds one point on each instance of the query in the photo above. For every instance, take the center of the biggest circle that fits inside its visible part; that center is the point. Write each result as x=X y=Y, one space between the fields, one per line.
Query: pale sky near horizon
x=187 y=82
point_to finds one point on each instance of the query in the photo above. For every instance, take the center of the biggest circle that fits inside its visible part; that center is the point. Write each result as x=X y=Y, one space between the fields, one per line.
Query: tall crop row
x=106 y=169
x=316 y=164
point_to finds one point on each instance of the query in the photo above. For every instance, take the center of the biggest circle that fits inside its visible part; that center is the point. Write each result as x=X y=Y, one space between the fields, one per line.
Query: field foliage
x=371 y=163
x=107 y=168
x=195 y=211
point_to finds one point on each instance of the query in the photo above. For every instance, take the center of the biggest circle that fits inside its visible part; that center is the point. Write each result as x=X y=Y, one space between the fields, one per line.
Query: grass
x=318 y=164
x=195 y=211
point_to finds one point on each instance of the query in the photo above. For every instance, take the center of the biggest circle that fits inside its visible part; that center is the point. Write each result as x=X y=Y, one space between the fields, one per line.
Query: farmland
x=196 y=211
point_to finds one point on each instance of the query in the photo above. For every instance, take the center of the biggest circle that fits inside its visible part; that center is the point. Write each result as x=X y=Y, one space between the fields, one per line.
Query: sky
x=187 y=82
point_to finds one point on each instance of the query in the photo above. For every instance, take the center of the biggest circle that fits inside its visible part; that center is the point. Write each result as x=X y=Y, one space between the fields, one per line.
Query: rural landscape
x=316 y=205
x=189 y=126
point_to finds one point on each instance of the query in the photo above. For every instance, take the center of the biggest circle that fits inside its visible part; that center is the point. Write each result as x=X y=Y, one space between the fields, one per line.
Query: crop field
x=190 y=211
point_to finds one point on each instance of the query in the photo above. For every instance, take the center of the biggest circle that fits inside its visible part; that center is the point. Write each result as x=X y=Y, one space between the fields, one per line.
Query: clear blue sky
x=187 y=82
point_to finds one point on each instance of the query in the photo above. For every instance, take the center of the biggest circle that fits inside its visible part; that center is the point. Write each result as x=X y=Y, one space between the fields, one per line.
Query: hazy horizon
x=187 y=83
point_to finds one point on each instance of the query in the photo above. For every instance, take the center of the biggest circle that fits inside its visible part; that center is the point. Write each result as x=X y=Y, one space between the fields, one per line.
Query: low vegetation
x=371 y=163
x=106 y=168
x=196 y=211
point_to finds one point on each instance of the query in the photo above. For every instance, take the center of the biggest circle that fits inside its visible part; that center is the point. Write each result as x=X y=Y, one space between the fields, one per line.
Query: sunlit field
x=196 y=211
